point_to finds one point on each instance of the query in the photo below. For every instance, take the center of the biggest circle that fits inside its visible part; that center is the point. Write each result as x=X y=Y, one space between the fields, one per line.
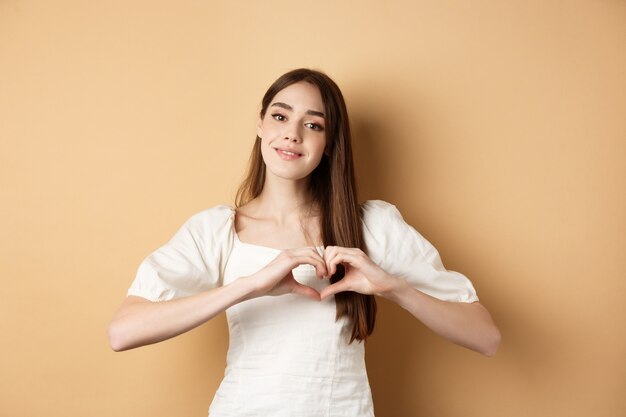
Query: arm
x=140 y=322
x=466 y=324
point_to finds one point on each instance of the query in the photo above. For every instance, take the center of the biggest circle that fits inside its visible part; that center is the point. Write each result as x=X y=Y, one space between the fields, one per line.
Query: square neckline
x=237 y=239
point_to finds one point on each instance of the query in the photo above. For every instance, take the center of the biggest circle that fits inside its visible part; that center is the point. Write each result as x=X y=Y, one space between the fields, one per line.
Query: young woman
x=296 y=266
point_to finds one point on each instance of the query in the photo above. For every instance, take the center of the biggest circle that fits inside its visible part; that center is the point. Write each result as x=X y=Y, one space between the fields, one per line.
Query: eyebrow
x=288 y=107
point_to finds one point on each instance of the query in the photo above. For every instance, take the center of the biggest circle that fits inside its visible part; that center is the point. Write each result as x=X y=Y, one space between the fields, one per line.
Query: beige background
x=497 y=128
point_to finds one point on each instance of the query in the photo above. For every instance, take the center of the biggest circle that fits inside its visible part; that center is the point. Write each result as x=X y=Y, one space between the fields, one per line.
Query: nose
x=293 y=134
x=293 y=138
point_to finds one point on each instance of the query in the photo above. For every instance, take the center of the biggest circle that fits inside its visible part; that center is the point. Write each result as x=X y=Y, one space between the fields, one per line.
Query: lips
x=287 y=154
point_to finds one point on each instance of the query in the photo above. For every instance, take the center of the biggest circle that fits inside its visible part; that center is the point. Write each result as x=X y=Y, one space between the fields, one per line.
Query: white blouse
x=288 y=356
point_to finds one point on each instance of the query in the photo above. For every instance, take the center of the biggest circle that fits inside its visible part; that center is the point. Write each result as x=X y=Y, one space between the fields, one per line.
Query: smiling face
x=292 y=132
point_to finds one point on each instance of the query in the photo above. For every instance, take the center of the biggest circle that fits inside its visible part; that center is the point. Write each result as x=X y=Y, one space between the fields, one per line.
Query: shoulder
x=213 y=220
x=382 y=223
x=221 y=212
x=385 y=228
x=387 y=234
x=378 y=212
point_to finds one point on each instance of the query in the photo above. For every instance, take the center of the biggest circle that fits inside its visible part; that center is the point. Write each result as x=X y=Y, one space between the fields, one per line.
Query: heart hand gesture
x=361 y=274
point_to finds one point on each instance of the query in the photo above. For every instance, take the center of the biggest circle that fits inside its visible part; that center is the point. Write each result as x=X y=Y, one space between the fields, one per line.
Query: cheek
x=318 y=152
x=267 y=127
x=265 y=149
x=321 y=146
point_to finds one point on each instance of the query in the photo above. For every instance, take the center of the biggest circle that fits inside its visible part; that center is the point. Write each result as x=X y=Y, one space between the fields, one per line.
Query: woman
x=296 y=266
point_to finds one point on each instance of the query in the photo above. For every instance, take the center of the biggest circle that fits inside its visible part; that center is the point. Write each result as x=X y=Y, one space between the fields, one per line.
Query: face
x=292 y=132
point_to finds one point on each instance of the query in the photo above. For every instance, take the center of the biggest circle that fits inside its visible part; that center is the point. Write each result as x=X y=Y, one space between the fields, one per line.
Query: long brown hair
x=332 y=186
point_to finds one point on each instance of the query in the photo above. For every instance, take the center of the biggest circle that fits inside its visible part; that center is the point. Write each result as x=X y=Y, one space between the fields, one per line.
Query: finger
x=317 y=263
x=314 y=260
x=299 y=252
x=329 y=252
x=329 y=255
x=333 y=289
x=349 y=255
x=308 y=256
x=298 y=288
x=343 y=257
x=320 y=267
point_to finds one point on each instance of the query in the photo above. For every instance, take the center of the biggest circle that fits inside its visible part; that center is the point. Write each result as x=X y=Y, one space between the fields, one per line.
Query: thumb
x=298 y=288
x=333 y=289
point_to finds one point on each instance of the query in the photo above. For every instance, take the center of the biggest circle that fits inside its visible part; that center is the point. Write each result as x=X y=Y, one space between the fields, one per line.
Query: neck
x=285 y=199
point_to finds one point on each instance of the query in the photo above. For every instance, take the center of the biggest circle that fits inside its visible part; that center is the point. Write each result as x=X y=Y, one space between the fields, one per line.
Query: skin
x=294 y=122
x=282 y=217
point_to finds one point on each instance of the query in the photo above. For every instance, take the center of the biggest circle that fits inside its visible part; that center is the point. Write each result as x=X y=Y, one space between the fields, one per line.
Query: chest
x=285 y=236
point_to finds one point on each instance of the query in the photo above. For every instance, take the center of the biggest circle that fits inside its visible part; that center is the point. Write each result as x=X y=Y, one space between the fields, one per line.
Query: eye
x=314 y=126
x=279 y=117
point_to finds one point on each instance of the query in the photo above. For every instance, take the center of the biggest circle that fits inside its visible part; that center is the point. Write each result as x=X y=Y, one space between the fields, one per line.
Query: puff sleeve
x=401 y=251
x=192 y=261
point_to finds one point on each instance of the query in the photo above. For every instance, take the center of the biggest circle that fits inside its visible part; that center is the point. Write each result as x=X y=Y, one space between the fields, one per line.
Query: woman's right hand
x=276 y=277
x=141 y=322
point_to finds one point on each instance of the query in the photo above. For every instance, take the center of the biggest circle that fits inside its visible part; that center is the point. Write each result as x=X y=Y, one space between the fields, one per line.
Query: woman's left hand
x=361 y=274
x=467 y=324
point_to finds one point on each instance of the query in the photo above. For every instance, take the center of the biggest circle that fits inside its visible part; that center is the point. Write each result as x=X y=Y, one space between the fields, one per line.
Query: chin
x=289 y=175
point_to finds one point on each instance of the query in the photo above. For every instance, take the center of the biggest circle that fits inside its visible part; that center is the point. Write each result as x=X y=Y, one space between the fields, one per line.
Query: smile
x=288 y=155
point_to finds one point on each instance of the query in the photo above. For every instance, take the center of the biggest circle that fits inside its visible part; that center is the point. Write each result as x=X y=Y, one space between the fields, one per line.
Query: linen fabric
x=288 y=355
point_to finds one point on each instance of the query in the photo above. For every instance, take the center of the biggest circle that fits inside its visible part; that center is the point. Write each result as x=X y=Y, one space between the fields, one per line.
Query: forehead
x=301 y=96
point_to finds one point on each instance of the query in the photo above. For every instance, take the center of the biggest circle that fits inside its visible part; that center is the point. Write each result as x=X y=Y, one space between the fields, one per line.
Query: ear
x=259 y=129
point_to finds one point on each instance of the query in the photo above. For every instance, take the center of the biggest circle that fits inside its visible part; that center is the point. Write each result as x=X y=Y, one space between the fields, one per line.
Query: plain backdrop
x=497 y=128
